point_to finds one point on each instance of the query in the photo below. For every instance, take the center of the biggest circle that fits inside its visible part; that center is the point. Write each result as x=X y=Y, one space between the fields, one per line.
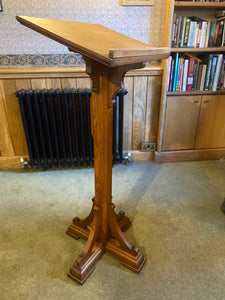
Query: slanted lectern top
x=108 y=56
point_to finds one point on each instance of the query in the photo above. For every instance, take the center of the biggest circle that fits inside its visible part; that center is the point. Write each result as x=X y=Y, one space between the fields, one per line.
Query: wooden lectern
x=108 y=56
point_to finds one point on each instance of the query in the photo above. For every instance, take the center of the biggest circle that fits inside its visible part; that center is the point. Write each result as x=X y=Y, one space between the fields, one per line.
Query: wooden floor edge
x=190 y=155
x=12 y=162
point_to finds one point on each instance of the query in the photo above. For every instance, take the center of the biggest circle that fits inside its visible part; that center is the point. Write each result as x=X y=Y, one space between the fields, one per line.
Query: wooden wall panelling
x=68 y=83
x=139 y=110
x=38 y=83
x=83 y=83
x=6 y=146
x=12 y=109
x=152 y=108
x=53 y=83
x=128 y=113
x=23 y=84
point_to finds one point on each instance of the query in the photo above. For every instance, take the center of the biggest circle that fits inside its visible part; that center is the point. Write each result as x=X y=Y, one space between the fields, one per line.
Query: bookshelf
x=192 y=126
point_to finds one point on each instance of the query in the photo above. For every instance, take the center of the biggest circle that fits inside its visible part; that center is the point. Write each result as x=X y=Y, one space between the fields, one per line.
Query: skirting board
x=190 y=155
x=136 y=155
x=12 y=162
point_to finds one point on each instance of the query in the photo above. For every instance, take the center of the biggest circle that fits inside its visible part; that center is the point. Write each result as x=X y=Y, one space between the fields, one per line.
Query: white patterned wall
x=17 y=39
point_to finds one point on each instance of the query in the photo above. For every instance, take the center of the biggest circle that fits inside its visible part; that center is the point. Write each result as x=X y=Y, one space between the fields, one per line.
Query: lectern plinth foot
x=80 y=271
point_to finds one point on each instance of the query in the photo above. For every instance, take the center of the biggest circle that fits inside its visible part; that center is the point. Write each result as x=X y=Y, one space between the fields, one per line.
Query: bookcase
x=192 y=111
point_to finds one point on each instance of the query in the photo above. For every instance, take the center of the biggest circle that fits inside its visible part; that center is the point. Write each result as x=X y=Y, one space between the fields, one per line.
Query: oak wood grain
x=95 y=41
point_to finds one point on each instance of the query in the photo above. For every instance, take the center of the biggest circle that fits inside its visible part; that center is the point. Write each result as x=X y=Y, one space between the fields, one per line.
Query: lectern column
x=103 y=228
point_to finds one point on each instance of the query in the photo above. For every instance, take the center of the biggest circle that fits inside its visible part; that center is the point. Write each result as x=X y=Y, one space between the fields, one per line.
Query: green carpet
x=176 y=223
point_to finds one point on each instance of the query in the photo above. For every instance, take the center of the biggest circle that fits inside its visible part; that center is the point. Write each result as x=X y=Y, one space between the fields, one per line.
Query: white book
x=195 y=35
x=203 y=35
x=185 y=70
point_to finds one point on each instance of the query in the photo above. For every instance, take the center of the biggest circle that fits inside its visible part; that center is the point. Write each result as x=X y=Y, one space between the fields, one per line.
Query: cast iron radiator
x=57 y=126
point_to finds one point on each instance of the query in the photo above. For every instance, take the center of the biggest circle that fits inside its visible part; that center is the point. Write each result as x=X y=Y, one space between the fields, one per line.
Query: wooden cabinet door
x=211 y=128
x=181 y=121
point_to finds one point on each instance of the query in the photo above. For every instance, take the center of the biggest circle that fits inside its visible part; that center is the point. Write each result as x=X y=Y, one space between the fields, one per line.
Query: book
x=218 y=42
x=195 y=75
x=180 y=31
x=185 y=70
x=211 y=34
x=202 y=83
x=202 y=42
x=178 y=87
x=175 y=72
x=169 y=70
x=208 y=71
x=212 y=73
x=216 y=30
x=190 y=74
x=199 y=77
x=171 y=75
x=217 y=72
x=186 y=33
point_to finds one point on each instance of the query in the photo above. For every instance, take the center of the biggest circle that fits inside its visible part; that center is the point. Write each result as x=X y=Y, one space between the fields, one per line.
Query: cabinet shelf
x=199 y=50
x=219 y=92
x=201 y=5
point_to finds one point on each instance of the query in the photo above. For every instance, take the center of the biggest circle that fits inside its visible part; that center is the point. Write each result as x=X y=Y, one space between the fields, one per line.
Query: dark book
x=180 y=31
x=186 y=33
x=173 y=31
x=195 y=75
x=208 y=72
x=220 y=33
x=171 y=75
x=212 y=73
x=211 y=34
x=216 y=30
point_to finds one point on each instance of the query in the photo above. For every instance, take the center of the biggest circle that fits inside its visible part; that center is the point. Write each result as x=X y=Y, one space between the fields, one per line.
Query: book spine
x=212 y=73
x=186 y=61
x=217 y=72
x=220 y=34
x=202 y=84
x=203 y=35
x=195 y=75
x=172 y=75
x=183 y=32
x=176 y=79
x=168 y=77
x=180 y=31
x=199 y=77
x=188 y=21
x=175 y=72
x=211 y=34
x=178 y=88
x=190 y=74
x=208 y=71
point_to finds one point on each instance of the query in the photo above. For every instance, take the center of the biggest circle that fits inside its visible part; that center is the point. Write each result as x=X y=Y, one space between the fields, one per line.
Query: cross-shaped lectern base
x=108 y=55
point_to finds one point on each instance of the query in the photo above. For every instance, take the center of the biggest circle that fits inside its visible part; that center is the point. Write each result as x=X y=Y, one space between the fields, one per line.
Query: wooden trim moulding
x=190 y=155
x=69 y=72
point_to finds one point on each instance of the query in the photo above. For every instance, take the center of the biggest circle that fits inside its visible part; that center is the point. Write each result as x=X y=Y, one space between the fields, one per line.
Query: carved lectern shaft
x=108 y=56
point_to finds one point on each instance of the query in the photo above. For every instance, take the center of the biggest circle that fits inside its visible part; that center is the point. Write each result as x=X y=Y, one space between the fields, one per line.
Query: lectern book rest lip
x=108 y=56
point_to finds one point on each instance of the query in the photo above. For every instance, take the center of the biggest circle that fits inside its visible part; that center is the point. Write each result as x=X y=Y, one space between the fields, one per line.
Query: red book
x=190 y=74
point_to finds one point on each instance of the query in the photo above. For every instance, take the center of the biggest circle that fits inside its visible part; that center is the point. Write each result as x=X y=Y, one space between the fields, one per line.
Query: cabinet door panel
x=181 y=122
x=211 y=129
